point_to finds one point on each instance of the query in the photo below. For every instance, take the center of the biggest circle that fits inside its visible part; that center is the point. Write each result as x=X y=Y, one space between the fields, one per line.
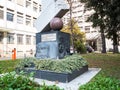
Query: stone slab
x=74 y=84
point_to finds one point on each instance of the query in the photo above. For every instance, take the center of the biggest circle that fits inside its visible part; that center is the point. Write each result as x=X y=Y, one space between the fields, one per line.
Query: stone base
x=54 y=76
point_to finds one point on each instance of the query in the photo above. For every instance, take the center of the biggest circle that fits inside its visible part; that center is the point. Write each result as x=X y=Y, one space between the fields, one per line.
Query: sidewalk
x=8 y=58
x=5 y=58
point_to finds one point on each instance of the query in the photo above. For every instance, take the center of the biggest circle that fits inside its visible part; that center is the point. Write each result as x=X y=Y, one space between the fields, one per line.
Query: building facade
x=93 y=37
x=17 y=29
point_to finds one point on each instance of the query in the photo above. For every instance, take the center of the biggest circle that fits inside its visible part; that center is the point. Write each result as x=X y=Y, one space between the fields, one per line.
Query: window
x=19 y=39
x=20 y=2
x=80 y=22
x=10 y=15
x=28 y=20
x=87 y=29
x=1 y=12
x=93 y=31
x=35 y=6
x=80 y=5
x=34 y=21
x=39 y=8
x=10 y=0
x=19 y=18
x=28 y=39
x=34 y=40
x=28 y=3
x=10 y=38
x=80 y=11
x=1 y=37
x=81 y=28
x=86 y=17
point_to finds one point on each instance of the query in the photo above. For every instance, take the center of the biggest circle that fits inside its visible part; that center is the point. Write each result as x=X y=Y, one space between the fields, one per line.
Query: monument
x=50 y=41
x=54 y=44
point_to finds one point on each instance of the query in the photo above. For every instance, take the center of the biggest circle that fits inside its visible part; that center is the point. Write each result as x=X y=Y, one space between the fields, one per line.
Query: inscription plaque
x=48 y=37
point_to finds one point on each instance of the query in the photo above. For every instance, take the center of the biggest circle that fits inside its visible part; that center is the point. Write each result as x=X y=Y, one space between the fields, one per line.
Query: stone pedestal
x=52 y=44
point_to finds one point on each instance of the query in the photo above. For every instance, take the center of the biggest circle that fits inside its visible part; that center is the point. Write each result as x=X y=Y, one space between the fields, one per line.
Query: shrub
x=80 y=47
x=102 y=83
x=26 y=62
x=66 y=65
x=45 y=64
x=11 y=81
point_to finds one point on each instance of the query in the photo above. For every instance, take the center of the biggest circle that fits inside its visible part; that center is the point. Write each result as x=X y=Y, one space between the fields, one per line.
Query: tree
x=78 y=36
x=97 y=18
x=107 y=17
x=113 y=23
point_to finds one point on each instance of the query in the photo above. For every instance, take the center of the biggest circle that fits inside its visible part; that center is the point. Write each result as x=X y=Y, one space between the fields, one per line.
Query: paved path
x=8 y=58
x=5 y=58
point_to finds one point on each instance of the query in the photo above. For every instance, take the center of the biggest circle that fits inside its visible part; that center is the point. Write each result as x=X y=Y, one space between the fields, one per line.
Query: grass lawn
x=109 y=63
x=8 y=65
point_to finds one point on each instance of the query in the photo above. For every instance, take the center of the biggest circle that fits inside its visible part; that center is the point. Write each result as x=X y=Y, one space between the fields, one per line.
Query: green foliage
x=107 y=17
x=80 y=47
x=67 y=65
x=12 y=81
x=102 y=83
x=76 y=33
x=26 y=62
x=44 y=64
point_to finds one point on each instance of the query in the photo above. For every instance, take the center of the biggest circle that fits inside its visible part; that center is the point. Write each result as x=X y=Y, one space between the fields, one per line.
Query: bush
x=102 y=83
x=80 y=47
x=66 y=65
x=11 y=81
x=26 y=62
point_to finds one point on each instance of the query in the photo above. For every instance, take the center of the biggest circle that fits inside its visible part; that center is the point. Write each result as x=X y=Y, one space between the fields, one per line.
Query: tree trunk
x=103 y=42
x=115 y=43
x=71 y=25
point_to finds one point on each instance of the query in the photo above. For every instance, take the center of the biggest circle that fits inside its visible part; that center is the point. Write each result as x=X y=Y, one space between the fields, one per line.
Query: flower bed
x=62 y=70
